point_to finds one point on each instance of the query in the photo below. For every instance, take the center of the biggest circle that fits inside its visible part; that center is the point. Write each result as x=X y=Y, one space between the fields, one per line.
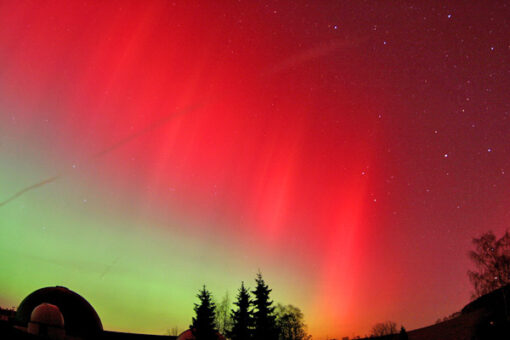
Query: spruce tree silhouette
x=403 y=334
x=242 y=317
x=263 y=316
x=203 y=326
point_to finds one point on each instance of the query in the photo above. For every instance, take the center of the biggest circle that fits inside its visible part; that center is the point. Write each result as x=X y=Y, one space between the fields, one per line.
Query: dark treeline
x=254 y=317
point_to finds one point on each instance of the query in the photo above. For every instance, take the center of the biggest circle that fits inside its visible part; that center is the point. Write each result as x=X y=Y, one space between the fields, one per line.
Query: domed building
x=46 y=320
x=52 y=308
x=187 y=335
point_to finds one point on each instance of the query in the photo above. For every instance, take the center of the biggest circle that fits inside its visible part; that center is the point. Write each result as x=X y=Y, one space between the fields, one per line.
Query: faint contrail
x=33 y=186
x=307 y=55
x=108 y=268
x=106 y=151
x=142 y=132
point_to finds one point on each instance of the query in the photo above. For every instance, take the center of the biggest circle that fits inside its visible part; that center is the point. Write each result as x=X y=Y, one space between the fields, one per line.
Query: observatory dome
x=47 y=321
x=187 y=335
x=47 y=314
x=80 y=318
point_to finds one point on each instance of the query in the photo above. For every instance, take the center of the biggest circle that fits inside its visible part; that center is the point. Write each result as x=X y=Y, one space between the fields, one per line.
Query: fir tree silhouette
x=403 y=334
x=242 y=317
x=263 y=316
x=203 y=326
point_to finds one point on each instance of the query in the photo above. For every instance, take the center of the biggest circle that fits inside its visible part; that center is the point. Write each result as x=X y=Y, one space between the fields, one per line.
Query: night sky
x=348 y=150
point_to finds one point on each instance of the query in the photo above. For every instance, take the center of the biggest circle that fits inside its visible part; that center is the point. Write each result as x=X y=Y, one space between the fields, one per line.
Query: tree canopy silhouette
x=384 y=328
x=264 y=318
x=492 y=259
x=290 y=323
x=203 y=325
x=242 y=317
x=222 y=315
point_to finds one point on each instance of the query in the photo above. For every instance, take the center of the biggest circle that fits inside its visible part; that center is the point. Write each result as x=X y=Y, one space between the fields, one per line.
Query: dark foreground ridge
x=485 y=318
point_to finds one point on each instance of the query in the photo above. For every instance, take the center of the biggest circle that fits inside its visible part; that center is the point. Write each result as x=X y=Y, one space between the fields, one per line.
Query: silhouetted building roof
x=187 y=335
x=7 y=314
x=11 y=333
x=108 y=335
x=80 y=318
